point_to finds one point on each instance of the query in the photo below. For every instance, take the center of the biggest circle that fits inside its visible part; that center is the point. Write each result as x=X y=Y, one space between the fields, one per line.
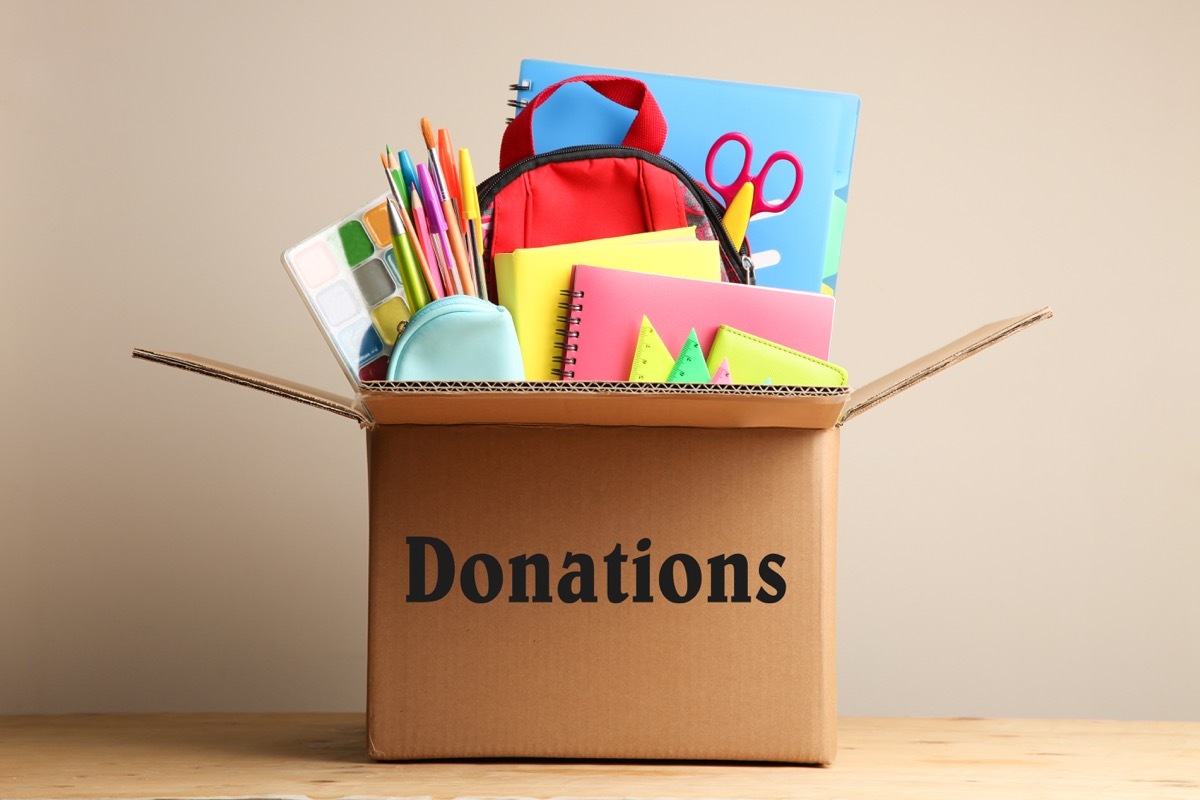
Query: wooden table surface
x=323 y=756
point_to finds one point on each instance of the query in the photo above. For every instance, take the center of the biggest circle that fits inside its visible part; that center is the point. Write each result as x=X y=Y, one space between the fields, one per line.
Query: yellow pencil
x=466 y=173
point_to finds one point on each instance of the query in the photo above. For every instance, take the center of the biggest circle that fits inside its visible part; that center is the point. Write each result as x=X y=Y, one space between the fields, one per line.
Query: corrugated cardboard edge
x=826 y=737
x=606 y=404
x=909 y=375
x=344 y=406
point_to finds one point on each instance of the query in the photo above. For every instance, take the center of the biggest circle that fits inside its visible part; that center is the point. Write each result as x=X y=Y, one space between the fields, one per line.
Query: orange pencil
x=466 y=272
x=446 y=161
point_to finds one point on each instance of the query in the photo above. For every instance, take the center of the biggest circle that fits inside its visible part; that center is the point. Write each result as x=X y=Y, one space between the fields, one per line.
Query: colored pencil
x=415 y=248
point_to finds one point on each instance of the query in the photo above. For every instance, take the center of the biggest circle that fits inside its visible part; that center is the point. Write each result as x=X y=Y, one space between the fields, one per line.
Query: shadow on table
x=289 y=737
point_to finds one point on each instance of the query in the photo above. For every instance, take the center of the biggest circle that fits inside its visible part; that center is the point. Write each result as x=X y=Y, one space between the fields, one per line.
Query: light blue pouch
x=458 y=338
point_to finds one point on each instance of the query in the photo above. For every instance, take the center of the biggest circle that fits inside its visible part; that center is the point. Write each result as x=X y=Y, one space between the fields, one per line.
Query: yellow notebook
x=530 y=282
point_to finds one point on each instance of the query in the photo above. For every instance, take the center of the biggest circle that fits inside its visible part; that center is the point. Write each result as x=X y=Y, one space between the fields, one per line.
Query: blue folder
x=797 y=249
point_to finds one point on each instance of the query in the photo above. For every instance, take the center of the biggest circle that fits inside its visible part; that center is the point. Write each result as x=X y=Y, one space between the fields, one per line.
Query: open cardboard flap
x=909 y=375
x=345 y=406
x=607 y=404
x=548 y=402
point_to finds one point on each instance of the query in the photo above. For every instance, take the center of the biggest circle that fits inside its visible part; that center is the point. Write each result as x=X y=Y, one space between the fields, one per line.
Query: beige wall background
x=1019 y=537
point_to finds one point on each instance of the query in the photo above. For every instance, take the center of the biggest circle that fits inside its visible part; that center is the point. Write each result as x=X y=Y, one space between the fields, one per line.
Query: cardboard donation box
x=639 y=571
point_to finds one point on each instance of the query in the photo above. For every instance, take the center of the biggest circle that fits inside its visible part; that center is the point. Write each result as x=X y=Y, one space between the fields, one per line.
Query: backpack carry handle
x=648 y=131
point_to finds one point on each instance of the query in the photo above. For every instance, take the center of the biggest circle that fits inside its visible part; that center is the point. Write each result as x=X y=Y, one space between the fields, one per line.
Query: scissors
x=730 y=190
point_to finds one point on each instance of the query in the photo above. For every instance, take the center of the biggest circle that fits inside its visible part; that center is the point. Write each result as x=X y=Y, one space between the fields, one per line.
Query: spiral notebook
x=798 y=248
x=604 y=310
x=530 y=282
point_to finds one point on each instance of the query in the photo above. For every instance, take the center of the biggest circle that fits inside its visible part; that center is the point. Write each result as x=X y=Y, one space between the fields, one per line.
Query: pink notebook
x=608 y=304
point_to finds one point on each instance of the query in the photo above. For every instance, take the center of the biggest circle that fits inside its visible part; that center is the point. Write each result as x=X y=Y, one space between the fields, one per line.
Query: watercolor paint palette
x=347 y=276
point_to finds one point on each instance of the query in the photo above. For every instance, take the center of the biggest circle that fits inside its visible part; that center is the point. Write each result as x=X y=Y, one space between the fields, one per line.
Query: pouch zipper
x=437 y=308
x=740 y=259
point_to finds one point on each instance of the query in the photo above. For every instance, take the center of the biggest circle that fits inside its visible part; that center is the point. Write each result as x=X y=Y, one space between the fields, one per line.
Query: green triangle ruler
x=652 y=361
x=690 y=366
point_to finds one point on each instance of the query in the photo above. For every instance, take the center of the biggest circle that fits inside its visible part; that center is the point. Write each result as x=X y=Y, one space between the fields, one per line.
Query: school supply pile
x=551 y=228
x=602 y=431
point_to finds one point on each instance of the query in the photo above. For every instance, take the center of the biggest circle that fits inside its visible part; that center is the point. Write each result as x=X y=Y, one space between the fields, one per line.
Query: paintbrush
x=416 y=250
x=387 y=169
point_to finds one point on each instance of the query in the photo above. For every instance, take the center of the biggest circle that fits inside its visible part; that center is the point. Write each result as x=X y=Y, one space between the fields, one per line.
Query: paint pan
x=347 y=276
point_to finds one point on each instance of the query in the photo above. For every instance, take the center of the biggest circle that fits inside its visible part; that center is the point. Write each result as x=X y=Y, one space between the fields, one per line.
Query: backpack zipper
x=740 y=259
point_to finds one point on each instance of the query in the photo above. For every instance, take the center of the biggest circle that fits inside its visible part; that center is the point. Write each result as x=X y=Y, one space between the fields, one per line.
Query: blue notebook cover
x=796 y=249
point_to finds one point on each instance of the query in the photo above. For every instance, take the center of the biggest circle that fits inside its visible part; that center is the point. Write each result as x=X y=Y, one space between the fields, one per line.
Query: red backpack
x=574 y=194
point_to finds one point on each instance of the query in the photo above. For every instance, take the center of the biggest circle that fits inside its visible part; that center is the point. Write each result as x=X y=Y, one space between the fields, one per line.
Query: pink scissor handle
x=760 y=204
x=730 y=190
